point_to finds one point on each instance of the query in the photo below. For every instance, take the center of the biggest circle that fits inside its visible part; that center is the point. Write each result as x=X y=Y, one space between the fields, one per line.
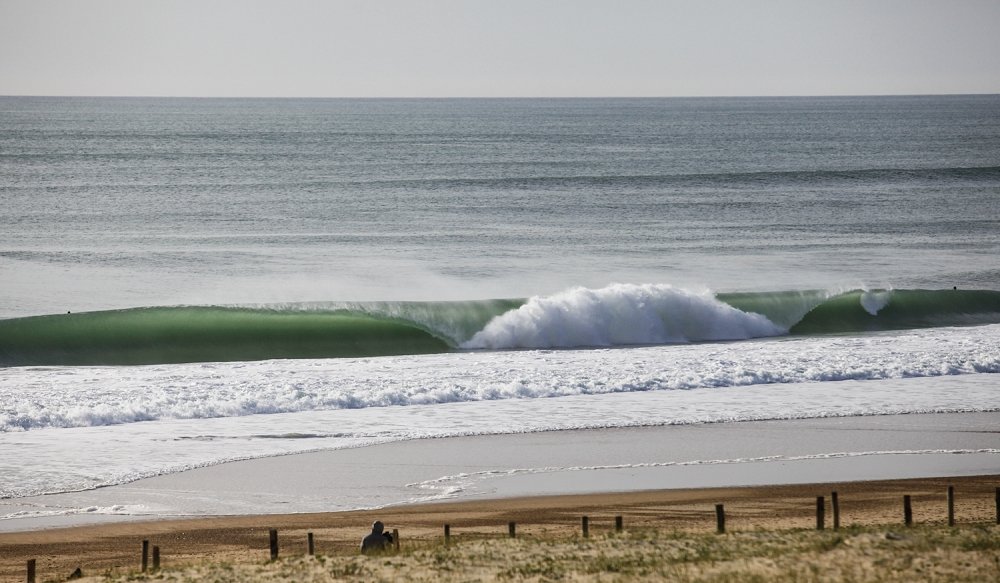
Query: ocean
x=185 y=282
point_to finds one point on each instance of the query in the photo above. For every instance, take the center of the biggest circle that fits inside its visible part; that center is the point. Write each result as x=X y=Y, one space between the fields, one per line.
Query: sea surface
x=185 y=282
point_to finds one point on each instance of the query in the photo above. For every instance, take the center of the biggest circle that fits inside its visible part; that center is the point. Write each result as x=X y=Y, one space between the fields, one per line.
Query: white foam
x=53 y=511
x=758 y=470
x=63 y=397
x=76 y=428
x=451 y=486
x=62 y=460
x=620 y=314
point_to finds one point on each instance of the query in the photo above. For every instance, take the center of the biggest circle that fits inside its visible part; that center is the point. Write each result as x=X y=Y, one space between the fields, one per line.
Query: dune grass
x=922 y=553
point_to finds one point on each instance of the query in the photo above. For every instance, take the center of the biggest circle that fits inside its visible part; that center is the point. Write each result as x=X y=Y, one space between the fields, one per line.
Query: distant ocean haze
x=113 y=203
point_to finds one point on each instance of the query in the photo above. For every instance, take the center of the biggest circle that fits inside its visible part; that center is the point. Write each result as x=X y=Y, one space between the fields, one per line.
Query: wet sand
x=548 y=463
x=767 y=473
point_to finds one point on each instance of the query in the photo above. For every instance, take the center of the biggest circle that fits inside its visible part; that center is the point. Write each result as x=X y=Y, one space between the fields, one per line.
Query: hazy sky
x=498 y=47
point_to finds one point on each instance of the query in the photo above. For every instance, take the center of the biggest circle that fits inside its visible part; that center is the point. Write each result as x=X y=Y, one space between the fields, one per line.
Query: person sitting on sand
x=375 y=541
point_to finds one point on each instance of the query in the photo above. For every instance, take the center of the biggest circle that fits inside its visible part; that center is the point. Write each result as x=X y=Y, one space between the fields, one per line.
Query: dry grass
x=669 y=535
x=927 y=553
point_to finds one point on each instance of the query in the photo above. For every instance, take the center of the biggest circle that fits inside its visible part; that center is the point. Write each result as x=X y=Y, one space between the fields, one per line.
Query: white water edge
x=76 y=429
x=826 y=450
x=99 y=426
x=69 y=397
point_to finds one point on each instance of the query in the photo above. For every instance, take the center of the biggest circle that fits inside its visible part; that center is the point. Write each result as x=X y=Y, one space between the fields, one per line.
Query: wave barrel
x=205 y=334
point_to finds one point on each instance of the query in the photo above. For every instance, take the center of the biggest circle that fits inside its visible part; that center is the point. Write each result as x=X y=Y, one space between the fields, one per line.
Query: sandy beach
x=768 y=474
x=115 y=548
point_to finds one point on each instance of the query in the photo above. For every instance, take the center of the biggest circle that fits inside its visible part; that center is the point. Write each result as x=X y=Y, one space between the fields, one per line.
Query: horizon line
x=490 y=97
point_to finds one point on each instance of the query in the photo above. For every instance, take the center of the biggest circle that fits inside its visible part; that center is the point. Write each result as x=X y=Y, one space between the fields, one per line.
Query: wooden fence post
x=619 y=524
x=585 y=525
x=720 y=518
x=310 y=544
x=395 y=538
x=820 y=513
x=907 y=510
x=512 y=529
x=156 y=558
x=31 y=571
x=447 y=534
x=998 y=505
x=145 y=555
x=951 y=506
x=835 y=503
x=273 y=535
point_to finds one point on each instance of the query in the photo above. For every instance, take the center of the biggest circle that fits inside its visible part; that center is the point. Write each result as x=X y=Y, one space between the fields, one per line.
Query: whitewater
x=89 y=396
x=95 y=426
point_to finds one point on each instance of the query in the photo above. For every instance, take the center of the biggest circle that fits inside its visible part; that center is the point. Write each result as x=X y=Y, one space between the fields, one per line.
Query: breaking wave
x=621 y=315
x=617 y=315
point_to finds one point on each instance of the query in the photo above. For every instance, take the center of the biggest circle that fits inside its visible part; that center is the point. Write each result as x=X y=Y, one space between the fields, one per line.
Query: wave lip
x=621 y=315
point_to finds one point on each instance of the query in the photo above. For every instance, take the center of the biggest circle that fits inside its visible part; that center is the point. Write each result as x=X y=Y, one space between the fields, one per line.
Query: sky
x=498 y=48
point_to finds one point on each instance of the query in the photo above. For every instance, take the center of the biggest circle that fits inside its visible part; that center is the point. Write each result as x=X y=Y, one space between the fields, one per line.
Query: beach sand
x=116 y=548
x=768 y=474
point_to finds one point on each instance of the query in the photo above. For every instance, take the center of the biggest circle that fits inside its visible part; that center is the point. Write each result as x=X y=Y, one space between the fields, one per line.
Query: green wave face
x=784 y=308
x=206 y=334
x=900 y=310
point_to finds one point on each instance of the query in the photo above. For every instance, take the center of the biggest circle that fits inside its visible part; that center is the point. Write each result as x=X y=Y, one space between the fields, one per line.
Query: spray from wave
x=874 y=301
x=619 y=315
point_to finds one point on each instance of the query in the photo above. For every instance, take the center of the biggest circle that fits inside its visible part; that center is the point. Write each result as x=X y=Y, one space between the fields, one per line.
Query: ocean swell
x=616 y=315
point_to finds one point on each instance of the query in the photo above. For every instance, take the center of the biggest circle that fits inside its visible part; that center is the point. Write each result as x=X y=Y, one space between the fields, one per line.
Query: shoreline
x=115 y=548
x=665 y=478
x=607 y=461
